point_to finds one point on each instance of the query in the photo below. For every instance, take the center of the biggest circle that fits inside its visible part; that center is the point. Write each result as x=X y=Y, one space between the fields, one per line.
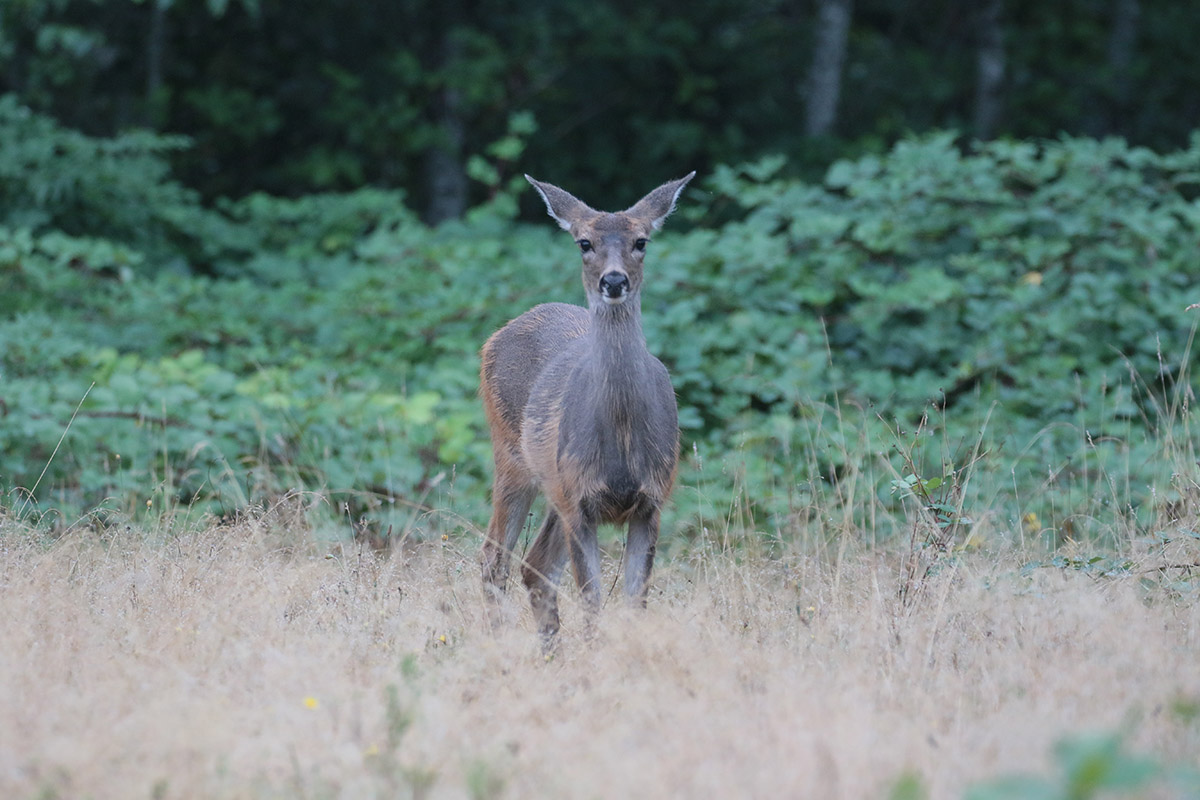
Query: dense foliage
x=885 y=326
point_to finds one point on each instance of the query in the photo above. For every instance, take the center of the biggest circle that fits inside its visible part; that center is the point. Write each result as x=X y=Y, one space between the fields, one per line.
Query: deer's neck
x=617 y=330
x=618 y=349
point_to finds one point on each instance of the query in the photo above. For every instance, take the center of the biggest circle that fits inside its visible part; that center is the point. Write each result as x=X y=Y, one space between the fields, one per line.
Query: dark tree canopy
x=292 y=97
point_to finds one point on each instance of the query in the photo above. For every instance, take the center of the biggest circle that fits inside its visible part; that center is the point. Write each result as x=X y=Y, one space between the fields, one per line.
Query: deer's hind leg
x=542 y=571
x=512 y=495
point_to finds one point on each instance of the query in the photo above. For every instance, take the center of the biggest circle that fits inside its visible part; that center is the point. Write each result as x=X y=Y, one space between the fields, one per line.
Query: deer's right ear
x=564 y=207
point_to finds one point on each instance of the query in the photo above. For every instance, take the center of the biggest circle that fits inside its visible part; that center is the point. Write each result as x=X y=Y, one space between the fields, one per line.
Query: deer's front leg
x=639 y=555
x=585 y=560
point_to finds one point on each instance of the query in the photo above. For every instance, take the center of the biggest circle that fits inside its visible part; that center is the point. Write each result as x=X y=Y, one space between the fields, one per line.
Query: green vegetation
x=998 y=341
x=1094 y=766
x=1087 y=767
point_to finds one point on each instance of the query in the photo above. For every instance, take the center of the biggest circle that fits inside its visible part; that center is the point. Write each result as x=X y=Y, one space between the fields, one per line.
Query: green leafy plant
x=1091 y=767
x=120 y=188
x=329 y=344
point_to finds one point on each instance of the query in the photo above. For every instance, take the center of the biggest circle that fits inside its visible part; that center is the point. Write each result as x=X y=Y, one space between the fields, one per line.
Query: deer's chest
x=624 y=460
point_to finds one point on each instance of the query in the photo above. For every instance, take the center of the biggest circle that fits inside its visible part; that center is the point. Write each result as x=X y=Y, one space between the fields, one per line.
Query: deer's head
x=612 y=245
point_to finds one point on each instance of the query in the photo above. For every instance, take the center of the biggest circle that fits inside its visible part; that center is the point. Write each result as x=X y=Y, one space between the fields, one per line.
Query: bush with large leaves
x=1039 y=288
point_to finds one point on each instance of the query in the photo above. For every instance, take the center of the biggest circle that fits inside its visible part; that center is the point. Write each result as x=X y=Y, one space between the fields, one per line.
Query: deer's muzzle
x=614 y=286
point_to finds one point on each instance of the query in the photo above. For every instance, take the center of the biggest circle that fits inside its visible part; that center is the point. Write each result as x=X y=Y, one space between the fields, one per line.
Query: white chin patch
x=614 y=301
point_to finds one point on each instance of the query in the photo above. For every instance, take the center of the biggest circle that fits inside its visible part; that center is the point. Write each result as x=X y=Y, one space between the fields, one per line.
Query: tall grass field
x=253 y=657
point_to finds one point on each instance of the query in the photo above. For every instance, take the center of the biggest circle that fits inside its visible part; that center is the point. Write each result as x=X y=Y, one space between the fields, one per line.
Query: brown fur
x=581 y=411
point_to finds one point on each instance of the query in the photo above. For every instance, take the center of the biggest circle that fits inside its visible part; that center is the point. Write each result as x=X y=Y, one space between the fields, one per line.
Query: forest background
x=939 y=258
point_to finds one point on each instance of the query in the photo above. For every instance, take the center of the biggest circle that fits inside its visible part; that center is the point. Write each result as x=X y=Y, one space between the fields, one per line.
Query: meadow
x=243 y=659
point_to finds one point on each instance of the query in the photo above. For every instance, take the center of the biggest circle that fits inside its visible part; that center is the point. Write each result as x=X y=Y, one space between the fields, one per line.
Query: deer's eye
x=640 y=245
x=584 y=245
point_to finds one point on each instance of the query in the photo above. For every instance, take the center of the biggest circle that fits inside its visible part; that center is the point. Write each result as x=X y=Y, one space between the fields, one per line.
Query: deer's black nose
x=614 y=285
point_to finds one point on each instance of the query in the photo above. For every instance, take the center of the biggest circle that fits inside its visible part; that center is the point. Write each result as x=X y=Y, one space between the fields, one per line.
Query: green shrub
x=53 y=178
x=1023 y=302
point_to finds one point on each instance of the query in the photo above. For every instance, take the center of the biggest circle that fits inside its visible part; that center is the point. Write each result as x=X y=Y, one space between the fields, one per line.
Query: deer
x=580 y=411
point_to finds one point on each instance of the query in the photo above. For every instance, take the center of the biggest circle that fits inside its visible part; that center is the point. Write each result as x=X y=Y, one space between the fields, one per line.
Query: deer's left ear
x=655 y=207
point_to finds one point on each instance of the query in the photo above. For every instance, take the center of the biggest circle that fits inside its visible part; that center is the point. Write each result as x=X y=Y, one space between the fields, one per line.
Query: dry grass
x=241 y=661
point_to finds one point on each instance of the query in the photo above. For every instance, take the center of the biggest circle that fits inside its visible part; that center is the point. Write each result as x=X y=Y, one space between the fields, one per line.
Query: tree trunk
x=155 y=50
x=12 y=77
x=444 y=163
x=990 y=65
x=1122 y=41
x=825 y=74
